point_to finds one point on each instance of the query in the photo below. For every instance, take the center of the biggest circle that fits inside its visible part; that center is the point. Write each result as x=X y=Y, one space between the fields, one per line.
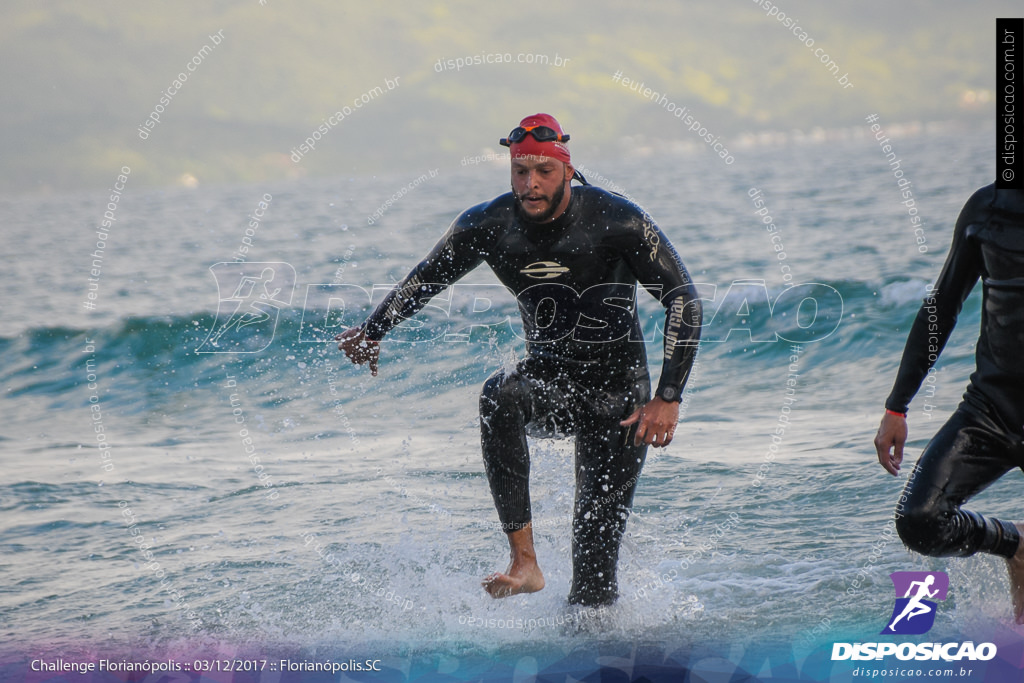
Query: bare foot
x=1015 y=567
x=523 y=574
x=524 y=577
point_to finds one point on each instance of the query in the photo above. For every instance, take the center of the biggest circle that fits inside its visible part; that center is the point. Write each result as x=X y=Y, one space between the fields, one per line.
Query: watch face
x=668 y=393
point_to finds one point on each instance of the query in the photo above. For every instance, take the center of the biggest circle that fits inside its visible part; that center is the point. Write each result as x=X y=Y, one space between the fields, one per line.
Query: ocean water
x=366 y=525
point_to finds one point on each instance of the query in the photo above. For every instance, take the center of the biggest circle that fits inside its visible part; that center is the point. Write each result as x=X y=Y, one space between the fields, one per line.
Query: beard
x=545 y=216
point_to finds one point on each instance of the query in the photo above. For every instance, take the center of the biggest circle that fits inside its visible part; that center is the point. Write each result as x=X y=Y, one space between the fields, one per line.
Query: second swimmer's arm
x=928 y=335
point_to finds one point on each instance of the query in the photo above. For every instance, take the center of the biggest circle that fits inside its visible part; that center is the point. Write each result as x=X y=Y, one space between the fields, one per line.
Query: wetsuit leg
x=607 y=469
x=547 y=402
x=969 y=453
x=534 y=399
x=505 y=409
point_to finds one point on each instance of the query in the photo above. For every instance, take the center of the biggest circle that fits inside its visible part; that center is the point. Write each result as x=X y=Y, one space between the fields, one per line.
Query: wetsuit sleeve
x=938 y=314
x=657 y=266
x=451 y=258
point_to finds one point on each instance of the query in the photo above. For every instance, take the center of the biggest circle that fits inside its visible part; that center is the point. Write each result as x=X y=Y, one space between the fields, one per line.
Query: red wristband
x=893 y=412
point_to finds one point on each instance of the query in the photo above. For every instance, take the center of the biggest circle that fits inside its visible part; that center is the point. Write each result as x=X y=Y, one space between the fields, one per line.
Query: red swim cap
x=531 y=146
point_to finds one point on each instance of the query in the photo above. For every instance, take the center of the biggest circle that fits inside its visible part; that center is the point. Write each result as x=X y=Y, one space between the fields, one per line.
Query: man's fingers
x=652 y=435
x=663 y=438
x=655 y=423
x=358 y=348
x=882 y=450
x=895 y=459
x=632 y=418
x=650 y=429
x=884 y=461
x=641 y=434
x=889 y=442
x=344 y=338
x=350 y=332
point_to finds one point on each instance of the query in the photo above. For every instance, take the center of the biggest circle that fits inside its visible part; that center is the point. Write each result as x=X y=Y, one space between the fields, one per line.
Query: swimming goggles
x=539 y=133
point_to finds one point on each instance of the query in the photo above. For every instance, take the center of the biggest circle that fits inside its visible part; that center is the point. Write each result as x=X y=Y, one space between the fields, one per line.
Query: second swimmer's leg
x=505 y=407
x=967 y=454
x=962 y=459
x=1015 y=567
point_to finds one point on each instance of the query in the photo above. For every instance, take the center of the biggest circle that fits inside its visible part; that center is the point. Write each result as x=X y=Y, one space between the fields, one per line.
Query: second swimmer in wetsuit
x=984 y=438
x=572 y=256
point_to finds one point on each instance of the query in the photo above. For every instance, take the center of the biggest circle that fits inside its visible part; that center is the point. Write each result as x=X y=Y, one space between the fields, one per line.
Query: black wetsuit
x=575 y=280
x=984 y=438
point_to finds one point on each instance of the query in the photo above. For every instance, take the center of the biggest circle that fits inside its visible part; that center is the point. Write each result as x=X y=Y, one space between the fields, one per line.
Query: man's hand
x=358 y=348
x=657 y=422
x=889 y=441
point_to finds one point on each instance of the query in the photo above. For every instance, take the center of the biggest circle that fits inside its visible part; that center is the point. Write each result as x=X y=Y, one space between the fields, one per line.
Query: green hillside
x=81 y=78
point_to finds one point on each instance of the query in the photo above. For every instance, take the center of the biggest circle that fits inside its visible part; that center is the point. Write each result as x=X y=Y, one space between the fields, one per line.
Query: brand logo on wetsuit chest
x=544 y=270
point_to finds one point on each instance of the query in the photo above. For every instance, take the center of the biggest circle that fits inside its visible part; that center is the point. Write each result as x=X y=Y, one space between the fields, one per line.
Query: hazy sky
x=384 y=86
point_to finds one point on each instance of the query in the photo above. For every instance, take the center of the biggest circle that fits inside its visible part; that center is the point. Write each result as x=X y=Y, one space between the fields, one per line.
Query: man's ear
x=569 y=171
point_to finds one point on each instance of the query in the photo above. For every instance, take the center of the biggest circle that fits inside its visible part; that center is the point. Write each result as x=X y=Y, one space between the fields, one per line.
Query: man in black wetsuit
x=984 y=438
x=572 y=256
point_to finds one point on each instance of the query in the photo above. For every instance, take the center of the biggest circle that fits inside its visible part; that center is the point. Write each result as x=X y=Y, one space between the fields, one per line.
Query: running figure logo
x=914 y=613
x=246 y=319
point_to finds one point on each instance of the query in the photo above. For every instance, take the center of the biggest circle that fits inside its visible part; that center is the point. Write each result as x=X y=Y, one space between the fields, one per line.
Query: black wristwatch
x=668 y=393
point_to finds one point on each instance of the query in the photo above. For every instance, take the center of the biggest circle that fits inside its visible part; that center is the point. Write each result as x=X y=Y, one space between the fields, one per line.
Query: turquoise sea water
x=368 y=524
